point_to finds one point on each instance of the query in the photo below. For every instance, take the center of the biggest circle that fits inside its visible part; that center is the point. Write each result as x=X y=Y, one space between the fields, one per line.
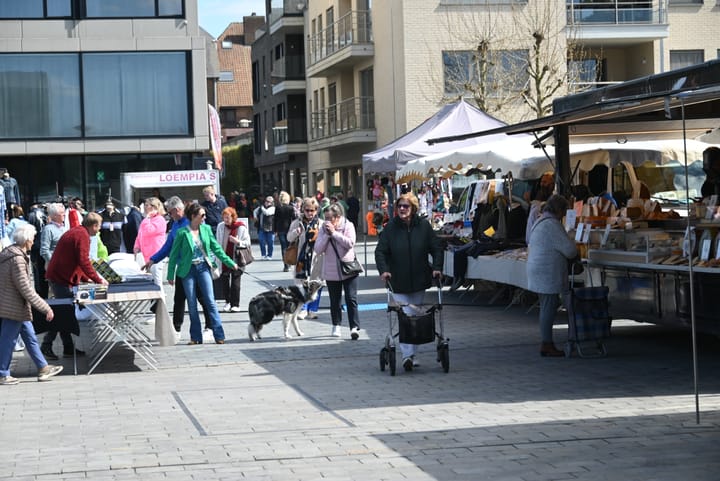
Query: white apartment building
x=376 y=70
x=93 y=88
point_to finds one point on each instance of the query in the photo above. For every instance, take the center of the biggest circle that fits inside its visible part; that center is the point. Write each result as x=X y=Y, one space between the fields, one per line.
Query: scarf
x=305 y=252
x=229 y=246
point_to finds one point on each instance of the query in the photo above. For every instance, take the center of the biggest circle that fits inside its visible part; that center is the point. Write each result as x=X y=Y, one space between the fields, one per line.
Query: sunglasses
x=202 y=215
x=310 y=210
x=403 y=206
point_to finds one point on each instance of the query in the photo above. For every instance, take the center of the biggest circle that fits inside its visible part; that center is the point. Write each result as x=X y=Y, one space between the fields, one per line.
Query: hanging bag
x=244 y=256
x=291 y=254
x=347 y=268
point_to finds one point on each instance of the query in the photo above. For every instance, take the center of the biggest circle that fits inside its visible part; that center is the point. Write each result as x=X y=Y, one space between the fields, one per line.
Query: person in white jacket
x=232 y=234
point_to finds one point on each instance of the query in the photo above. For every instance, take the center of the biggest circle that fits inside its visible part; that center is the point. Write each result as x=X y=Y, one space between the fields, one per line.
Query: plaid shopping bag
x=108 y=273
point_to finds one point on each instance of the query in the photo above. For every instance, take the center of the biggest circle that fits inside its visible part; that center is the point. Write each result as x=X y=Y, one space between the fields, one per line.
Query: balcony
x=617 y=22
x=340 y=45
x=288 y=74
x=290 y=137
x=350 y=121
x=286 y=15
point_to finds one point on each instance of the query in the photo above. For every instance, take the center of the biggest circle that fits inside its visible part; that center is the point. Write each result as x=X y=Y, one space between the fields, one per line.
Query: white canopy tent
x=452 y=118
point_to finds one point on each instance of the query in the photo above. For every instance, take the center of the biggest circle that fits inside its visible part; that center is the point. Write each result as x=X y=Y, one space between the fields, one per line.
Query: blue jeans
x=266 y=239
x=199 y=276
x=282 y=237
x=548 y=311
x=8 y=335
x=313 y=306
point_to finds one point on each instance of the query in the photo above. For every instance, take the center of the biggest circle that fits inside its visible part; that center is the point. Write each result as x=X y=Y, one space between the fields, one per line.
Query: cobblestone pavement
x=318 y=407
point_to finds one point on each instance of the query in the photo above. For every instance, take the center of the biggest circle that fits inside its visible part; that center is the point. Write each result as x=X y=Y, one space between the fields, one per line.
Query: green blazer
x=181 y=254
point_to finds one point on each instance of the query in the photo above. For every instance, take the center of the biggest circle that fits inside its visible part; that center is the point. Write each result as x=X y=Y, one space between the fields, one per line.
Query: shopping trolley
x=588 y=319
x=419 y=328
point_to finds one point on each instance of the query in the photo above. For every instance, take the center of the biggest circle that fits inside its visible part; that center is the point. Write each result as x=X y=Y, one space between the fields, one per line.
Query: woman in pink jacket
x=151 y=235
x=336 y=240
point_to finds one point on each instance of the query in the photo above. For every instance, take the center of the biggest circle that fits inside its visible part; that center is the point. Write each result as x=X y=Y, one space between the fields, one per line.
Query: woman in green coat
x=189 y=259
x=402 y=260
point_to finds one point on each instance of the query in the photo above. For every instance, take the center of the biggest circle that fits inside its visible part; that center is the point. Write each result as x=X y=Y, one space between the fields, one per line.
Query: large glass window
x=685 y=58
x=132 y=8
x=21 y=9
x=135 y=94
x=465 y=70
x=39 y=96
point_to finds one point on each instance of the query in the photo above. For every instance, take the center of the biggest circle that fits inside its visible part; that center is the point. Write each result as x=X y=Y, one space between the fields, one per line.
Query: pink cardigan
x=344 y=238
x=151 y=236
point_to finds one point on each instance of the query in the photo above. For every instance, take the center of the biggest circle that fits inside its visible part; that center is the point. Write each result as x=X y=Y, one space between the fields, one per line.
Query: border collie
x=287 y=301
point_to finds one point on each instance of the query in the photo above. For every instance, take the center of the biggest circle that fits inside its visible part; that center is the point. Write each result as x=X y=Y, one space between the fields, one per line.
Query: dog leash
x=262 y=281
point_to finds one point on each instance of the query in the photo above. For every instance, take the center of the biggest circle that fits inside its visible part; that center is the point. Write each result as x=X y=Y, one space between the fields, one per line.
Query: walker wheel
x=383 y=358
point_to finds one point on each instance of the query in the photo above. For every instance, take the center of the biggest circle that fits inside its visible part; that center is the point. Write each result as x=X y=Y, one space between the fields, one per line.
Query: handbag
x=291 y=254
x=215 y=271
x=244 y=256
x=348 y=268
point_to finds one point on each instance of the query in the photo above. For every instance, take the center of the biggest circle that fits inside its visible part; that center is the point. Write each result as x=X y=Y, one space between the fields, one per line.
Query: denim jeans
x=282 y=237
x=335 y=289
x=179 y=305
x=199 y=278
x=8 y=335
x=548 y=311
x=266 y=239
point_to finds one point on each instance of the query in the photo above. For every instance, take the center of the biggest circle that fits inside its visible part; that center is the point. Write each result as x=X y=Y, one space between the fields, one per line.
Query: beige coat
x=16 y=285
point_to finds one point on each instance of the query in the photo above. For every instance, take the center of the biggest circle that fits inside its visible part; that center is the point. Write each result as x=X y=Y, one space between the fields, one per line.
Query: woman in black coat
x=402 y=260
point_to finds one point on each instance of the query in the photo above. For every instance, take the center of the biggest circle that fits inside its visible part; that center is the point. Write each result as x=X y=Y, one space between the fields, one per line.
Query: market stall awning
x=449 y=120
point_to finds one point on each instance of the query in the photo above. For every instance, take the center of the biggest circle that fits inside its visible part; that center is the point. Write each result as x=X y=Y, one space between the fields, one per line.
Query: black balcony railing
x=617 y=12
x=293 y=132
x=356 y=113
x=290 y=67
x=351 y=29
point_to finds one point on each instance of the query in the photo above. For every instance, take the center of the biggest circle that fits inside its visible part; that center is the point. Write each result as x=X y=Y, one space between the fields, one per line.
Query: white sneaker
x=354 y=333
x=178 y=336
x=235 y=309
x=19 y=345
x=208 y=335
x=302 y=314
x=49 y=371
x=227 y=307
x=335 y=331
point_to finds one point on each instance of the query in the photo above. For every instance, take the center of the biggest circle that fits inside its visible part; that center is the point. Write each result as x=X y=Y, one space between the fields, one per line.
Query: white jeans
x=414 y=298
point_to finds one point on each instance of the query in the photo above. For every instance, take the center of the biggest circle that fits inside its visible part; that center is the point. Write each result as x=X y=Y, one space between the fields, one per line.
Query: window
x=135 y=94
x=464 y=70
x=686 y=2
x=685 y=58
x=35 y=8
x=133 y=8
x=226 y=76
x=39 y=94
x=226 y=44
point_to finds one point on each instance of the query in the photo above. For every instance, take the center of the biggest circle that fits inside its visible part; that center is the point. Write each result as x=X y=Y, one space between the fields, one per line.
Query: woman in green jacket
x=402 y=260
x=189 y=259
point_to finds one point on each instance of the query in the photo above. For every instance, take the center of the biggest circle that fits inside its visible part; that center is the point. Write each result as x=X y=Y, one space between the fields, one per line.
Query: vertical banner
x=215 y=136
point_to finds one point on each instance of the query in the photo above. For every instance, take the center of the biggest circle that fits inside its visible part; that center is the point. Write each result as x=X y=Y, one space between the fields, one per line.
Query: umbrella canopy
x=451 y=119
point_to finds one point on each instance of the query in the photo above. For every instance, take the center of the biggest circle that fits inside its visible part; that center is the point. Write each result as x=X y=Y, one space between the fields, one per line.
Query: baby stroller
x=588 y=319
x=414 y=329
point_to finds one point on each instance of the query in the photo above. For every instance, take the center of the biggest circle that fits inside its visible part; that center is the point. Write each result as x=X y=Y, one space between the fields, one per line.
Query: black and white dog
x=287 y=301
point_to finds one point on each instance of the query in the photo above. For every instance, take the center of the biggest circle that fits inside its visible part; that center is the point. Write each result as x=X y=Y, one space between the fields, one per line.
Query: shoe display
x=312 y=315
x=235 y=309
x=49 y=371
x=49 y=354
x=227 y=307
x=9 y=381
x=408 y=364
x=335 y=331
x=302 y=314
x=354 y=333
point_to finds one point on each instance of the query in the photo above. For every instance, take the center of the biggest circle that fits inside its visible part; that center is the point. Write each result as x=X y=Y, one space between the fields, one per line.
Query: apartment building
x=93 y=88
x=279 y=102
x=376 y=70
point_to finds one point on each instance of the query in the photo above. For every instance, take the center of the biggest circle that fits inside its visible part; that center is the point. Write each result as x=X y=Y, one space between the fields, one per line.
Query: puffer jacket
x=403 y=251
x=17 y=287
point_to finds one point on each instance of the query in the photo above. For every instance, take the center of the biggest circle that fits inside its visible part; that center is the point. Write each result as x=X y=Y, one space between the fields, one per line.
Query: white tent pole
x=690 y=270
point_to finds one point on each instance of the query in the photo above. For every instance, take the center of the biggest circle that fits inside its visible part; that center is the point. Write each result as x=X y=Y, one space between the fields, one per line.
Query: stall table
x=118 y=320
